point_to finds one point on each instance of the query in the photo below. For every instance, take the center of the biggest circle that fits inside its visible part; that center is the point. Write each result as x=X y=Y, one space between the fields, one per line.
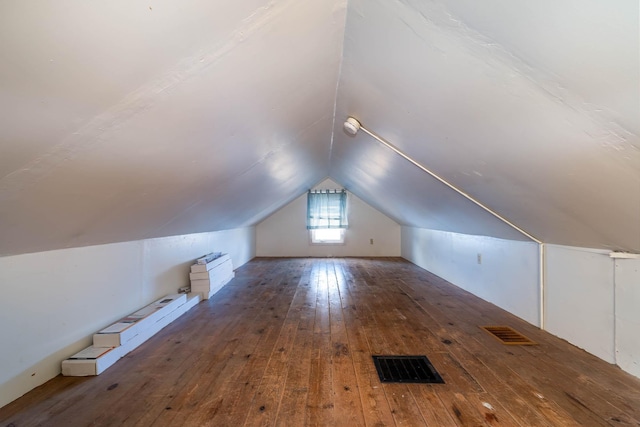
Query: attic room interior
x=490 y=157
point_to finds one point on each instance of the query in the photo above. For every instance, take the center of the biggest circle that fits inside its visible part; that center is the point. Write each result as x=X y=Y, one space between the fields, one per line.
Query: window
x=327 y=236
x=326 y=209
x=327 y=216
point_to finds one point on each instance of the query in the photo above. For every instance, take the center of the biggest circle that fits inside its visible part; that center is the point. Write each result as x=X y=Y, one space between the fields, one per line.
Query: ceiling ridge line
x=338 y=79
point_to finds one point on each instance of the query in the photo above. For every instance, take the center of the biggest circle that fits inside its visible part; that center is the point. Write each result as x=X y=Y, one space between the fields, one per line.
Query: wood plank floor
x=289 y=343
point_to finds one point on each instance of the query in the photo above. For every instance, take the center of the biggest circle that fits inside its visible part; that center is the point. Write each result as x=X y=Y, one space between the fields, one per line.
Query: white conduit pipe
x=352 y=126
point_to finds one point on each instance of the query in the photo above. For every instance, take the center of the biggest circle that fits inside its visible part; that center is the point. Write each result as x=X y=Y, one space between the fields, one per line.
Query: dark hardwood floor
x=289 y=343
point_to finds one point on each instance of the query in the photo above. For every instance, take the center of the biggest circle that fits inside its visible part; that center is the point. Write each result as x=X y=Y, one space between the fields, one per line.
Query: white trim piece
x=542 y=282
x=624 y=255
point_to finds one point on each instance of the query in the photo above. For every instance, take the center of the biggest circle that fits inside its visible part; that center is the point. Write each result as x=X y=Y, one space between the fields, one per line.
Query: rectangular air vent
x=406 y=369
x=507 y=335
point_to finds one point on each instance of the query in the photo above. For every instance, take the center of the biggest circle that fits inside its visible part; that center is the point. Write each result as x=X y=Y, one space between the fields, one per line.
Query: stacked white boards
x=210 y=273
x=118 y=339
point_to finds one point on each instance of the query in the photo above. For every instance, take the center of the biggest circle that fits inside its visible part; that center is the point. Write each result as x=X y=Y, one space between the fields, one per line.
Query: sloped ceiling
x=121 y=121
x=529 y=107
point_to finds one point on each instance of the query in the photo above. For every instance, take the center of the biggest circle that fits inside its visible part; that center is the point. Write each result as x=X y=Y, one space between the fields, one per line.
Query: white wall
x=627 y=302
x=52 y=302
x=285 y=232
x=506 y=275
x=579 y=298
x=592 y=301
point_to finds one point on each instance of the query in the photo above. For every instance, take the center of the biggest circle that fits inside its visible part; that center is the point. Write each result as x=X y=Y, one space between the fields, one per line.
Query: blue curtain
x=326 y=209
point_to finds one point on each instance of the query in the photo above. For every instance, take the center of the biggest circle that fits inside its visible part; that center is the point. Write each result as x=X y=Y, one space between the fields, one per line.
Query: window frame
x=340 y=242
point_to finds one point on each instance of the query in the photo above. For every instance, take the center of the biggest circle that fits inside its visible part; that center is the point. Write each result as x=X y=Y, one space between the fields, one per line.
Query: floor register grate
x=507 y=335
x=406 y=369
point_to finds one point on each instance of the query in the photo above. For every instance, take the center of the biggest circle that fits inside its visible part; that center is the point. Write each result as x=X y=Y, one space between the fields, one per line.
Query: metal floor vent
x=406 y=369
x=507 y=335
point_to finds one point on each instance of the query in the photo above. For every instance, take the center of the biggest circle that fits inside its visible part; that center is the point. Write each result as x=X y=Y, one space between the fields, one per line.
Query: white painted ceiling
x=122 y=120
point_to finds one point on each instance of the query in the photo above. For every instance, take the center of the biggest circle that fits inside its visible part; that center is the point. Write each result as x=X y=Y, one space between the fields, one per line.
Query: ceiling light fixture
x=351 y=126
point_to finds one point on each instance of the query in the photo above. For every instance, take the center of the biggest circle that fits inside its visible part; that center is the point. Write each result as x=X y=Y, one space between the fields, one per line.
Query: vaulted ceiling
x=122 y=121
